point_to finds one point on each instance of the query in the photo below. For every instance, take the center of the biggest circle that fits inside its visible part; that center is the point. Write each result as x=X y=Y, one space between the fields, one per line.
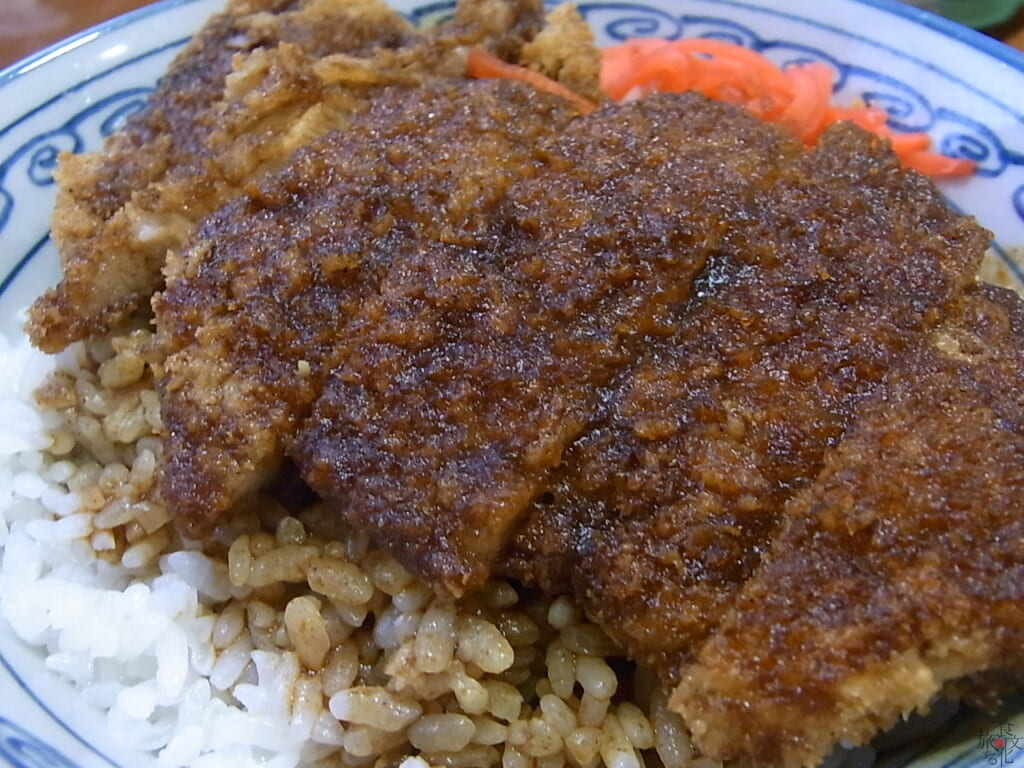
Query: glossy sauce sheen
x=268 y=299
x=661 y=512
x=899 y=568
x=119 y=210
x=483 y=355
x=454 y=271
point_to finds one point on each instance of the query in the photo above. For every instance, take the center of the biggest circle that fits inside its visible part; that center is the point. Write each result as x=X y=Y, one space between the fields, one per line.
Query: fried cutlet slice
x=258 y=81
x=121 y=208
x=901 y=568
x=479 y=363
x=258 y=313
x=663 y=509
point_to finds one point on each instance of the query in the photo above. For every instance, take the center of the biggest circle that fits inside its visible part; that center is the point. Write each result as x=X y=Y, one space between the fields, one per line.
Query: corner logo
x=999 y=745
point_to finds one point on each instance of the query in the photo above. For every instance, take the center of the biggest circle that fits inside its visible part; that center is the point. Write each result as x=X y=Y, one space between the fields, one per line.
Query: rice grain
x=558 y=714
x=239 y=561
x=635 y=725
x=339 y=580
x=561 y=666
x=541 y=739
x=592 y=711
x=596 y=677
x=616 y=751
x=374 y=707
x=307 y=631
x=583 y=745
x=284 y=564
x=435 y=639
x=488 y=732
x=447 y=732
x=481 y=643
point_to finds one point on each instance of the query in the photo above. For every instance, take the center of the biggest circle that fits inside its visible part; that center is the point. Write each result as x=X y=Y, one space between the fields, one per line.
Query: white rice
x=136 y=644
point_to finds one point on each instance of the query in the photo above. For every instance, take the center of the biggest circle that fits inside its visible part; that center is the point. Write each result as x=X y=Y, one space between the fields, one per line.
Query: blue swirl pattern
x=35 y=160
x=23 y=750
x=955 y=133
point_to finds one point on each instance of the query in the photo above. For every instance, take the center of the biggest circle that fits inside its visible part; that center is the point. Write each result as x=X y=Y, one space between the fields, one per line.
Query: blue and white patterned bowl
x=931 y=75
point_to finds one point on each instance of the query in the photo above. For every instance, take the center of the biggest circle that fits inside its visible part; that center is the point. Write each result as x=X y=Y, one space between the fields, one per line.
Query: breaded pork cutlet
x=900 y=569
x=664 y=508
x=482 y=360
x=259 y=80
x=257 y=315
x=454 y=274
x=112 y=224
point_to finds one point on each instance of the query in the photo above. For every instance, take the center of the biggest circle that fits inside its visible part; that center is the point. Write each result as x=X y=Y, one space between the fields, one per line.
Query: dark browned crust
x=258 y=317
x=900 y=568
x=223 y=113
x=664 y=509
x=169 y=131
x=483 y=358
x=259 y=80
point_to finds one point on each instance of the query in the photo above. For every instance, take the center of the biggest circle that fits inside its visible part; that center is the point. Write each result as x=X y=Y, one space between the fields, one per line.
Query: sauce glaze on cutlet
x=259 y=80
x=482 y=359
x=663 y=509
x=119 y=210
x=257 y=316
x=899 y=569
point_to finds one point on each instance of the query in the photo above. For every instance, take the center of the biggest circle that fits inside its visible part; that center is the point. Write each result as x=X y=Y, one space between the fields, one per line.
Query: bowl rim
x=946 y=27
x=55 y=51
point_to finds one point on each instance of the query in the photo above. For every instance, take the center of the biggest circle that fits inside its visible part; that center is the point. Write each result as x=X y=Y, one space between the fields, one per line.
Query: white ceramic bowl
x=963 y=88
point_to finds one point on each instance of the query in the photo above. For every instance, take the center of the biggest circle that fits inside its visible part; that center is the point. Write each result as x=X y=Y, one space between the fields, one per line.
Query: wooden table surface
x=28 y=25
